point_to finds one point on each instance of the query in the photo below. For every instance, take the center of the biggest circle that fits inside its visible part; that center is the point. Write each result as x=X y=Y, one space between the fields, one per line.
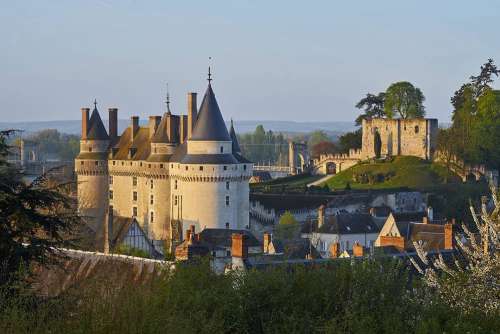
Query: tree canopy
x=404 y=100
x=372 y=105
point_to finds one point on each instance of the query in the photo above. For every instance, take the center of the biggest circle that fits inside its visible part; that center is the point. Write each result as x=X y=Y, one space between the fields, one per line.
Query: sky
x=271 y=60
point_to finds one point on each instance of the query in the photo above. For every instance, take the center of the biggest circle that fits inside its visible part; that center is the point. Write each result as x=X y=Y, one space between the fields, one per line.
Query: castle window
x=222 y=149
x=175 y=184
x=171 y=165
x=152 y=218
x=134 y=181
x=111 y=194
x=149 y=165
x=141 y=164
x=161 y=165
x=186 y=167
x=134 y=211
x=151 y=200
x=227 y=225
x=110 y=208
x=227 y=185
x=90 y=148
x=111 y=179
x=225 y=167
x=227 y=200
x=416 y=129
x=154 y=150
x=228 y=253
x=244 y=167
x=114 y=162
x=201 y=167
x=175 y=200
x=97 y=163
x=81 y=163
x=152 y=184
x=134 y=196
x=123 y=163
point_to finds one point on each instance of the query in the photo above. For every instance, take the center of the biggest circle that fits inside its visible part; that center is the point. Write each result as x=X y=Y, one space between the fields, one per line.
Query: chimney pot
x=113 y=123
x=192 y=113
x=135 y=126
x=85 y=122
x=239 y=247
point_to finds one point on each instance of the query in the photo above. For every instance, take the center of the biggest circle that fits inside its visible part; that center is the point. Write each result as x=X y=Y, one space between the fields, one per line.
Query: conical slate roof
x=161 y=135
x=210 y=124
x=96 y=131
x=232 y=134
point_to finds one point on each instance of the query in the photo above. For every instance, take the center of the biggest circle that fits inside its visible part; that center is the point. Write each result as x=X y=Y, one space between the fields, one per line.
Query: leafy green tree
x=404 y=100
x=350 y=140
x=317 y=137
x=447 y=147
x=34 y=218
x=487 y=129
x=288 y=227
x=324 y=147
x=372 y=105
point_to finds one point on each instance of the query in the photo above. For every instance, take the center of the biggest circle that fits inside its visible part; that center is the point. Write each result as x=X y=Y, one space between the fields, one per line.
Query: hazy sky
x=272 y=60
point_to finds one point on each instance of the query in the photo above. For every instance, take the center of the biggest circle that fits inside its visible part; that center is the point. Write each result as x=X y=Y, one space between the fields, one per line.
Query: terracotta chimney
x=135 y=127
x=357 y=249
x=321 y=215
x=113 y=123
x=448 y=236
x=85 y=122
x=188 y=236
x=154 y=121
x=239 y=247
x=335 y=250
x=267 y=242
x=192 y=113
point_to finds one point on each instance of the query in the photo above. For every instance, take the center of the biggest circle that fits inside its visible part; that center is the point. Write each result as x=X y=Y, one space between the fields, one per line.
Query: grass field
x=410 y=172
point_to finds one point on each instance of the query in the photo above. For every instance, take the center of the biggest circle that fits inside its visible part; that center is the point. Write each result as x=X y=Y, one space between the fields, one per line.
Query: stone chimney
x=192 y=113
x=113 y=123
x=335 y=250
x=448 y=236
x=430 y=214
x=154 y=121
x=321 y=215
x=357 y=249
x=135 y=127
x=85 y=122
x=239 y=246
x=267 y=241
x=182 y=128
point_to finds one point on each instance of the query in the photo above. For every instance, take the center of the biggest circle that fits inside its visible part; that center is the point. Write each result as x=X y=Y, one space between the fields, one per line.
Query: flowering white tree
x=471 y=281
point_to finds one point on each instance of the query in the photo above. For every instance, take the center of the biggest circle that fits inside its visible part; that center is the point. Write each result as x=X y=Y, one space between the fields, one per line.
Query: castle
x=415 y=137
x=175 y=172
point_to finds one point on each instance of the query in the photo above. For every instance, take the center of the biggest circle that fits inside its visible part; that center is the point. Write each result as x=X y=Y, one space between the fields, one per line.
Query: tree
x=35 y=218
x=473 y=284
x=487 y=129
x=404 y=100
x=482 y=81
x=350 y=140
x=288 y=227
x=324 y=147
x=372 y=105
x=447 y=148
x=317 y=137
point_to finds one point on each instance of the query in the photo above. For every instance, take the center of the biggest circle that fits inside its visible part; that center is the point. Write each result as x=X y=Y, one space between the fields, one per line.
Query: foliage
x=132 y=251
x=324 y=147
x=350 y=140
x=316 y=137
x=447 y=148
x=52 y=142
x=35 y=218
x=264 y=147
x=288 y=227
x=476 y=119
x=369 y=296
x=470 y=284
x=404 y=100
x=372 y=106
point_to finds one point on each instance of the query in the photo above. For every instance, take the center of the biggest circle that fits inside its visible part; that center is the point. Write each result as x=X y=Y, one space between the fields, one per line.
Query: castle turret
x=91 y=167
x=210 y=181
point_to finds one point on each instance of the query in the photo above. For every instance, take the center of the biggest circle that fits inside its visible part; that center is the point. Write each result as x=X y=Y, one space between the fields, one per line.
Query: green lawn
x=410 y=172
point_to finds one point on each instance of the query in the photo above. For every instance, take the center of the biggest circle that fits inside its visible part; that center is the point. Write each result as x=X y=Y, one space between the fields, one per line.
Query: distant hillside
x=410 y=172
x=74 y=126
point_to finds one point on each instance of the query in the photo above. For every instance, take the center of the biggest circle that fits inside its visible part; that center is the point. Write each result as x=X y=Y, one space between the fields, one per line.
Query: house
x=401 y=230
x=344 y=230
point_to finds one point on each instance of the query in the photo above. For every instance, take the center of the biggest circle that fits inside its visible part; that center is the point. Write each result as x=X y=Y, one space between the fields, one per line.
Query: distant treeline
x=52 y=144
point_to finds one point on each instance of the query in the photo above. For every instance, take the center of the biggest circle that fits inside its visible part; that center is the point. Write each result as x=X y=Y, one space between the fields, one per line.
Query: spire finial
x=168 y=99
x=95 y=103
x=209 y=73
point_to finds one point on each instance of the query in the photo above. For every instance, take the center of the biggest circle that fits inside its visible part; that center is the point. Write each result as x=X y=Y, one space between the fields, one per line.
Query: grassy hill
x=402 y=171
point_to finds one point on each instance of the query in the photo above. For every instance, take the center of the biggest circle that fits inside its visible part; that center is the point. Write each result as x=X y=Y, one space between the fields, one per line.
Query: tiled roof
x=161 y=135
x=349 y=223
x=234 y=138
x=222 y=237
x=141 y=144
x=210 y=125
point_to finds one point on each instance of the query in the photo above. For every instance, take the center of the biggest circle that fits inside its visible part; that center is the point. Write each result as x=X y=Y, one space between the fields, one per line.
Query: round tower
x=91 y=167
x=210 y=180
